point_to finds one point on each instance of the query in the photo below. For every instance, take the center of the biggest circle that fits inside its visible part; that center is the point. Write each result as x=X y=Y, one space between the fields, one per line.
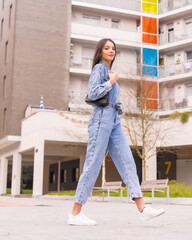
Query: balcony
x=125 y=70
x=177 y=104
x=169 y=5
x=85 y=31
x=128 y=70
x=176 y=69
x=175 y=36
x=123 y=4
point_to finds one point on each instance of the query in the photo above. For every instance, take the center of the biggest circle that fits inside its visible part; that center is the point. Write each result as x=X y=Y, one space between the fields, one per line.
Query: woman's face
x=108 y=52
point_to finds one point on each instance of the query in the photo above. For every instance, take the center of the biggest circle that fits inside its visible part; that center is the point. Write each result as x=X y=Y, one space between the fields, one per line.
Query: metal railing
x=100 y=31
x=176 y=104
x=174 y=36
x=169 y=5
x=139 y=70
x=134 y=5
x=129 y=102
x=129 y=69
x=175 y=69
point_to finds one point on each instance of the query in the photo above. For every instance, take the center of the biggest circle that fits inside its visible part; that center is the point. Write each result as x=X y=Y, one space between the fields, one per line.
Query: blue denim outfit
x=105 y=132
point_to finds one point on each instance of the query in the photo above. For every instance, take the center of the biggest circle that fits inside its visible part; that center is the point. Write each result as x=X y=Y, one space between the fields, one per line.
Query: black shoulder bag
x=101 y=102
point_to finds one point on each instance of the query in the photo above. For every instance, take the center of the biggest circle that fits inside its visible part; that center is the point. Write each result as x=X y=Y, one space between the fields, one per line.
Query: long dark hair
x=98 y=50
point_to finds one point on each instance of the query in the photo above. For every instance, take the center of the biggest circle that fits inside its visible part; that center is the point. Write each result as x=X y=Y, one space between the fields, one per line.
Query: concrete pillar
x=59 y=176
x=3 y=176
x=16 y=174
x=38 y=169
x=82 y=160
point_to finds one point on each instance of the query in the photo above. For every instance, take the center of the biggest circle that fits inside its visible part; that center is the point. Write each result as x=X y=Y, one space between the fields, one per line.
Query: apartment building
x=153 y=45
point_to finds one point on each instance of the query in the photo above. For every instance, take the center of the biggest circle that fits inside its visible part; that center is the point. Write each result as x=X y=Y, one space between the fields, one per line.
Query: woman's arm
x=96 y=88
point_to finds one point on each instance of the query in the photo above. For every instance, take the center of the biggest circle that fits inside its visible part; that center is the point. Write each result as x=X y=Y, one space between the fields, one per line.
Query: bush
x=184 y=117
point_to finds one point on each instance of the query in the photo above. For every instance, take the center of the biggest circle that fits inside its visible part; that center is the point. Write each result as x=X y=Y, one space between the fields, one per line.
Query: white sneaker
x=150 y=212
x=80 y=220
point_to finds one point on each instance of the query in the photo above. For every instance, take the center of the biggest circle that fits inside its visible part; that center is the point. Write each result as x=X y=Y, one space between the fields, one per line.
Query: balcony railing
x=129 y=102
x=139 y=70
x=135 y=5
x=169 y=5
x=125 y=68
x=175 y=69
x=123 y=4
x=174 y=36
x=176 y=104
x=99 y=31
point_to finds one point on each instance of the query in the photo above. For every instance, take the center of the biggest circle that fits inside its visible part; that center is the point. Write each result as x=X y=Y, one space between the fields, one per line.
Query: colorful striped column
x=150 y=55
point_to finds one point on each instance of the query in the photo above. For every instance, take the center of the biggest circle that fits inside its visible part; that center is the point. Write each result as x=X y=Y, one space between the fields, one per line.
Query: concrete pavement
x=45 y=218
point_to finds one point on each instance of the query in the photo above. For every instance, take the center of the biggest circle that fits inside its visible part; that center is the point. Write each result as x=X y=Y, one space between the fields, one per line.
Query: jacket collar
x=105 y=65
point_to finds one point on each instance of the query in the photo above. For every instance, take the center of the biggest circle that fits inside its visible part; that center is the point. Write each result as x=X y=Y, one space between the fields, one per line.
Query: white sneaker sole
x=148 y=218
x=81 y=224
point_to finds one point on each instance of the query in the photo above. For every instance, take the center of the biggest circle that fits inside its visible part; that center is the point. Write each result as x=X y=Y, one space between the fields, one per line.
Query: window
x=87 y=53
x=93 y=20
x=52 y=177
x=189 y=55
x=1 y=36
x=10 y=14
x=64 y=175
x=170 y=30
x=75 y=174
x=4 y=118
x=115 y=23
x=6 y=48
x=4 y=86
x=3 y=4
x=189 y=90
x=188 y=22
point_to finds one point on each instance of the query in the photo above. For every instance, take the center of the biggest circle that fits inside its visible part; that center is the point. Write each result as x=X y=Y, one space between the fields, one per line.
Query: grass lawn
x=24 y=191
x=175 y=190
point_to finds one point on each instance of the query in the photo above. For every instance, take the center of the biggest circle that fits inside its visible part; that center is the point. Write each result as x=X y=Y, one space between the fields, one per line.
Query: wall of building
x=7 y=29
x=41 y=57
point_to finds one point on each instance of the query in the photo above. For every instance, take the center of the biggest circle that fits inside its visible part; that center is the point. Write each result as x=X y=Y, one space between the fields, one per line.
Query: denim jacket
x=99 y=83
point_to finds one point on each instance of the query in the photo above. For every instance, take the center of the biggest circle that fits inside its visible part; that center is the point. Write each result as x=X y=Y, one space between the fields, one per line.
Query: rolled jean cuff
x=79 y=201
x=136 y=195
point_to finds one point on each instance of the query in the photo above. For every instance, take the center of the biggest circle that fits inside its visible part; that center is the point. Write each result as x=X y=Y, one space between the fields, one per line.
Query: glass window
x=4 y=118
x=75 y=174
x=189 y=90
x=115 y=23
x=3 y=4
x=188 y=22
x=64 y=175
x=6 y=49
x=52 y=177
x=4 y=86
x=189 y=55
x=93 y=20
x=10 y=15
x=1 y=36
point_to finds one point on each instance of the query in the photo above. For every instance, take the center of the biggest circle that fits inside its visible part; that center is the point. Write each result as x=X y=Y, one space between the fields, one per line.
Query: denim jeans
x=105 y=132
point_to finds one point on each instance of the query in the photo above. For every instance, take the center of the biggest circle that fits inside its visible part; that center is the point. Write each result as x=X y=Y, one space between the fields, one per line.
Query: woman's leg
x=76 y=208
x=99 y=133
x=121 y=154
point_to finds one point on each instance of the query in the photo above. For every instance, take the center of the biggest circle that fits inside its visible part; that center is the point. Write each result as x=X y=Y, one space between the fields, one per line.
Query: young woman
x=105 y=132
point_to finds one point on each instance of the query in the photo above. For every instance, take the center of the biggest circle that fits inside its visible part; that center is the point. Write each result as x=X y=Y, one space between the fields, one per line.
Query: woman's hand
x=113 y=77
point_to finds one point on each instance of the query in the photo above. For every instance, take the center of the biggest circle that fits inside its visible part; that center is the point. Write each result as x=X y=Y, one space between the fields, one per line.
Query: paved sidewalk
x=45 y=219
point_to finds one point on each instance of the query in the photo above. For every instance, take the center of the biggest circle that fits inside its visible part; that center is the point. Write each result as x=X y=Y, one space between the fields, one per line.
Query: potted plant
x=178 y=66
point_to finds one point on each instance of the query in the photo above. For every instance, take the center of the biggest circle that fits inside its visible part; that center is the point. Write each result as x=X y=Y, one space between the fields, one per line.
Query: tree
x=145 y=129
